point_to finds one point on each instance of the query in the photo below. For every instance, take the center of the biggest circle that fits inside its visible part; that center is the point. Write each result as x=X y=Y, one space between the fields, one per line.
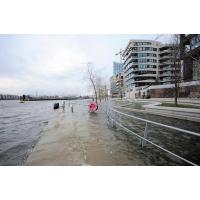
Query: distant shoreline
x=56 y=99
x=45 y=99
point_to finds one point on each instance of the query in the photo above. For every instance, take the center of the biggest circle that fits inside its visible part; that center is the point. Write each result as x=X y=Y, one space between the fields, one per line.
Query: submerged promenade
x=82 y=138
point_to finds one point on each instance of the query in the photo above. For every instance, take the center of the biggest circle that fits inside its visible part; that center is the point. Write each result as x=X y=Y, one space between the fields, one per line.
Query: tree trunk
x=176 y=95
x=99 y=94
x=95 y=91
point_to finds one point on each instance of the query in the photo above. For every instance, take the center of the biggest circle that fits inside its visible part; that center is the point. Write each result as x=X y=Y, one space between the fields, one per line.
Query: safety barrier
x=144 y=139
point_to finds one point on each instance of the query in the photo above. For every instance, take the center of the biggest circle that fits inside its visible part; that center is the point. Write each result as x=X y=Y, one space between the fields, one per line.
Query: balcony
x=130 y=77
x=131 y=52
x=130 y=67
x=146 y=69
x=146 y=81
x=165 y=74
x=165 y=52
x=145 y=75
x=166 y=80
x=164 y=58
x=129 y=60
x=165 y=63
x=165 y=69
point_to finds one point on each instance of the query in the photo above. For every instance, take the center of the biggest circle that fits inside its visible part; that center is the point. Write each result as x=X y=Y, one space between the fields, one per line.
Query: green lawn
x=179 y=105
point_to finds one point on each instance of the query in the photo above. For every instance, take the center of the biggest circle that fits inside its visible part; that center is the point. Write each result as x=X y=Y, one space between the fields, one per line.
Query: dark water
x=20 y=128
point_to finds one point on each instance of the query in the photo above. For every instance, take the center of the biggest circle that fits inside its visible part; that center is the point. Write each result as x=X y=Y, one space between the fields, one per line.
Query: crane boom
x=158 y=36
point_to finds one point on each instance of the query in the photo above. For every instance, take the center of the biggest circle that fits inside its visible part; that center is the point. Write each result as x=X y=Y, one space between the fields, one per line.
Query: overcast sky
x=55 y=64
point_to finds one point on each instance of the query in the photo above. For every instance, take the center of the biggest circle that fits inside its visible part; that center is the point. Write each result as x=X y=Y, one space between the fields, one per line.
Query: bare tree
x=97 y=83
x=92 y=79
x=176 y=65
x=99 y=87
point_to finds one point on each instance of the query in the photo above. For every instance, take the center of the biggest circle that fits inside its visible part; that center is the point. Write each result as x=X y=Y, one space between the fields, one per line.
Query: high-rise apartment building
x=149 y=65
x=141 y=65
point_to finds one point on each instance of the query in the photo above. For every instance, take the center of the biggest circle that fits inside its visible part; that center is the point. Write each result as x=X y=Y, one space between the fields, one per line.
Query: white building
x=141 y=66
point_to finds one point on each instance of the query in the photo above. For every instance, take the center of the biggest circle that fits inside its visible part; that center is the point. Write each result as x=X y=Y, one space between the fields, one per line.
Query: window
x=195 y=42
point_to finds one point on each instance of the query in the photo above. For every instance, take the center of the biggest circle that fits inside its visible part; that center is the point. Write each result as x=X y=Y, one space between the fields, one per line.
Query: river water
x=20 y=128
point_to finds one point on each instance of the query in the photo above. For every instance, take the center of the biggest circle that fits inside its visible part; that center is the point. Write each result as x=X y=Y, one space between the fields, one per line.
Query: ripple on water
x=20 y=128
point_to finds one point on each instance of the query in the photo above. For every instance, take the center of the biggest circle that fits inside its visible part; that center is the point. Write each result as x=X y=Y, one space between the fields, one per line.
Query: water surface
x=20 y=128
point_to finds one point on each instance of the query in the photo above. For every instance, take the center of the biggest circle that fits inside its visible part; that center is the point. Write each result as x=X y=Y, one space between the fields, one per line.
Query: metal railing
x=144 y=139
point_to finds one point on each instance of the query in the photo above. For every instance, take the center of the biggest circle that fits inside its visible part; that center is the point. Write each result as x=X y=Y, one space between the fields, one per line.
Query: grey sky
x=55 y=64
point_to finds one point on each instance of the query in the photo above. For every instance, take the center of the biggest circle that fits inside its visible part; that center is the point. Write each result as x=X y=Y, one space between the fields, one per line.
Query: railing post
x=145 y=135
x=113 y=121
x=108 y=115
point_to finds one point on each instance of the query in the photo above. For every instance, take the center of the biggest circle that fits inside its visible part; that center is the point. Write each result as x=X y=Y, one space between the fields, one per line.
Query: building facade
x=117 y=68
x=167 y=71
x=113 y=87
x=141 y=65
x=190 y=55
x=151 y=68
x=117 y=81
x=120 y=86
x=8 y=97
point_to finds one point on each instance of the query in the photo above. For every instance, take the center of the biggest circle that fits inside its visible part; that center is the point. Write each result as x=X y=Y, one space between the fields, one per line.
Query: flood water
x=20 y=128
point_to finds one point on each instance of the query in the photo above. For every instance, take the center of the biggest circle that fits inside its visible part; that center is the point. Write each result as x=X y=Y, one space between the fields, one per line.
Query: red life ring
x=93 y=107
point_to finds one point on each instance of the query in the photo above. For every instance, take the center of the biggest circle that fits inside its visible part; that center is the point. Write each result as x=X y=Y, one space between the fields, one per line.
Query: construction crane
x=120 y=53
x=158 y=36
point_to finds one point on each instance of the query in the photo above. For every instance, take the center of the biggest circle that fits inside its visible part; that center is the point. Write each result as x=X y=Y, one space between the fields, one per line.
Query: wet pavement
x=82 y=138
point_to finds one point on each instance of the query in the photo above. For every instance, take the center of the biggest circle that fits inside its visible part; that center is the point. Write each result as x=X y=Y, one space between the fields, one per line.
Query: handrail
x=181 y=158
x=159 y=124
x=144 y=138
